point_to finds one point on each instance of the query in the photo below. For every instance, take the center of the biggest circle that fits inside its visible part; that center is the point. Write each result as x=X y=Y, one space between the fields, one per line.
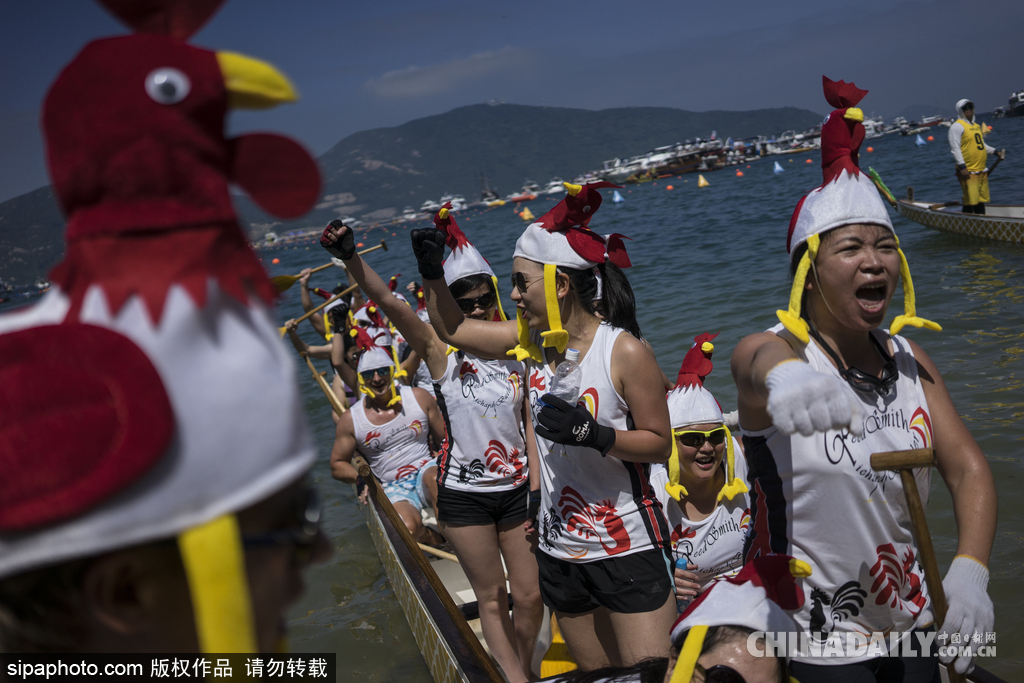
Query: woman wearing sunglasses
x=705 y=497
x=602 y=535
x=821 y=392
x=483 y=478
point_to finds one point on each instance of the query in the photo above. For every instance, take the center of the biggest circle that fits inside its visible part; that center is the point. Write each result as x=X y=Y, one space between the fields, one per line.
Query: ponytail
x=616 y=304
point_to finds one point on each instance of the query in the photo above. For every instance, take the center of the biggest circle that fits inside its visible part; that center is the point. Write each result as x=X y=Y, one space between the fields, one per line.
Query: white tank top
x=398 y=448
x=817 y=498
x=482 y=401
x=593 y=508
x=714 y=544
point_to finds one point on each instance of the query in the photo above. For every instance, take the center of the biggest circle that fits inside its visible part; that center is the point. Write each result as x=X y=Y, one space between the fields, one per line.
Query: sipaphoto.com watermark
x=892 y=644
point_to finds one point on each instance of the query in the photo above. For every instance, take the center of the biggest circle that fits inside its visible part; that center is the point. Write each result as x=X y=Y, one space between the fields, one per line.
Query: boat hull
x=1005 y=223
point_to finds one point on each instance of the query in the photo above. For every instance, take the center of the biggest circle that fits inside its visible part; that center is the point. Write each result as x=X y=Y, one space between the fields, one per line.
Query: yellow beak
x=252 y=84
x=854 y=114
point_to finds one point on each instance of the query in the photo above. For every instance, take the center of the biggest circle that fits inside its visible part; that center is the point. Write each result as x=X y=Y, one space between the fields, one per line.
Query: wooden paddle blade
x=283 y=331
x=282 y=283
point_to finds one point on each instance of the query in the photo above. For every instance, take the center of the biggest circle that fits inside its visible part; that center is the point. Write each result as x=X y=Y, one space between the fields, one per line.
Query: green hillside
x=373 y=174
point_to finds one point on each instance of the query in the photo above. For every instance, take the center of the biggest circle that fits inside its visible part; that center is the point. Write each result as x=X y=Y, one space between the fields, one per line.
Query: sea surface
x=714 y=260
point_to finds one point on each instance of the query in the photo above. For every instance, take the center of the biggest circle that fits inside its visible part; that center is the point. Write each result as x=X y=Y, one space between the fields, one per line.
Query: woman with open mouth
x=601 y=532
x=818 y=395
x=483 y=474
x=702 y=490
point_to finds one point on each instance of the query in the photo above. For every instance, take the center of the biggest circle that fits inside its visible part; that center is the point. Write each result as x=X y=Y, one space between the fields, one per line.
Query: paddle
x=905 y=462
x=319 y=308
x=336 y=404
x=282 y=283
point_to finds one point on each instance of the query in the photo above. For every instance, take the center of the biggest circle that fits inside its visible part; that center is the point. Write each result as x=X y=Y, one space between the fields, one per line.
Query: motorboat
x=527 y=194
x=554 y=186
x=430 y=207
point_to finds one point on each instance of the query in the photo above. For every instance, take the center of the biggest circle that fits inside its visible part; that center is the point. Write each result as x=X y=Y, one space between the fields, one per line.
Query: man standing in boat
x=971 y=154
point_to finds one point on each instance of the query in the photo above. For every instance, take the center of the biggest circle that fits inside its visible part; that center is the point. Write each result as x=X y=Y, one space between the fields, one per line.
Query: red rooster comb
x=577 y=208
x=393 y=282
x=697 y=362
x=176 y=18
x=363 y=339
x=445 y=222
x=843 y=130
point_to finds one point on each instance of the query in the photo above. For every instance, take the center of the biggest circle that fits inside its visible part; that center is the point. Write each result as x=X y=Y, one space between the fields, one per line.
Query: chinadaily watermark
x=893 y=644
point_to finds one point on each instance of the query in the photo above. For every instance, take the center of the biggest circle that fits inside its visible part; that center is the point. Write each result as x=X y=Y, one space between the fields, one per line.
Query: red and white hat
x=757 y=598
x=393 y=288
x=561 y=237
x=689 y=403
x=375 y=357
x=846 y=197
x=464 y=260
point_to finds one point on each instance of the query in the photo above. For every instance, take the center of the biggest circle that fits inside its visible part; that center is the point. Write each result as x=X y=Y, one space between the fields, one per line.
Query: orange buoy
x=669 y=187
x=739 y=174
x=277 y=260
x=748 y=165
x=808 y=161
x=360 y=244
x=871 y=149
x=931 y=138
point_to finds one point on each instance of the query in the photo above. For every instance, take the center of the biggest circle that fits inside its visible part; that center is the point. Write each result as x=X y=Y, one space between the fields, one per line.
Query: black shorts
x=636 y=583
x=482 y=507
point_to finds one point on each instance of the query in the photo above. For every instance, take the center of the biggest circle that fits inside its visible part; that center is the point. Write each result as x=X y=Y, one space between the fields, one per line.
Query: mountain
x=373 y=174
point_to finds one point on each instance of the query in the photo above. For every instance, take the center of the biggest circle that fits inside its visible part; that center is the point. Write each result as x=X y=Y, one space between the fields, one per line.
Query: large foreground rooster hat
x=846 y=197
x=756 y=598
x=689 y=403
x=465 y=260
x=561 y=237
x=177 y=406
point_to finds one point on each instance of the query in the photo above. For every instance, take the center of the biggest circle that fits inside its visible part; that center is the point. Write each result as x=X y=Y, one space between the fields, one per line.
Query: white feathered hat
x=465 y=260
x=756 y=598
x=846 y=197
x=561 y=237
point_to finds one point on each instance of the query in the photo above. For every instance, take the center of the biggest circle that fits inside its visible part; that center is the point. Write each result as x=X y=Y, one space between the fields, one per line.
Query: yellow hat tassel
x=497 y=296
x=525 y=348
x=399 y=372
x=909 y=316
x=365 y=389
x=791 y=319
x=733 y=486
x=555 y=335
x=689 y=654
x=328 y=333
x=215 y=567
x=674 y=488
x=451 y=350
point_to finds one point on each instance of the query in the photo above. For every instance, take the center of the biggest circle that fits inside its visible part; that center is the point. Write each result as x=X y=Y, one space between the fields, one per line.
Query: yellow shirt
x=972 y=146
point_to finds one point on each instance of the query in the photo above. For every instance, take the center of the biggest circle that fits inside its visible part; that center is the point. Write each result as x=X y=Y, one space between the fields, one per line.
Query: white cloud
x=421 y=81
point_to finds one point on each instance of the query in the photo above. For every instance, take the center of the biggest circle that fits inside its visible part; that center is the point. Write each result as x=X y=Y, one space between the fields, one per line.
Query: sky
x=371 y=65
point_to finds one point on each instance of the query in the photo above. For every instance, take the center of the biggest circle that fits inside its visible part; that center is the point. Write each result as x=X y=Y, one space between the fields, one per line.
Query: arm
x=640 y=382
x=343 y=450
x=962 y=465
x=347 y=372
x=530 y=437
x=411 y=364
x=307 y=303
x=956 y=132
x=321 y=352
x=434 y=418
x=485 y=339
x=752 y=359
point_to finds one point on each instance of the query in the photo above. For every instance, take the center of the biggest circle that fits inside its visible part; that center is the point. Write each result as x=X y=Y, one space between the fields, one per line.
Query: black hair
x=617 y=304
x=467 y=284
x=341 y=288
x=43 y=610
x=647 y=671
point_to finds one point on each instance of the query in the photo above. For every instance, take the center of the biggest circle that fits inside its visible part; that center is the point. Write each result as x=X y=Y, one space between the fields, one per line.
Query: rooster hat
x=756 y=598
x=374 y=357
x=691 y=404
x=465 y=260
x=178 y=404
x=846 y=196
x=561 y=237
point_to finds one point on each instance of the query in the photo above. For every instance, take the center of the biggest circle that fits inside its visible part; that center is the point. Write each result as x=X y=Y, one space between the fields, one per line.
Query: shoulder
x=749 y=345
x=345 y=424
x=630 y=348
x=927 y=369
x=424 y=398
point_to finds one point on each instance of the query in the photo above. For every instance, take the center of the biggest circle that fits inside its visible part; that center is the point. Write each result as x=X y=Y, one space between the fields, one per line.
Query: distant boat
x=920 y=140
x=554 y=186
x=778 y=168
x=527 y=194
x=616 y=197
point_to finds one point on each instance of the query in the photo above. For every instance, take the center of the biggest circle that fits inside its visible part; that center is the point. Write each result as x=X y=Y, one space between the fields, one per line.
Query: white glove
x=732 y=420
x=800 y=399
x=970 y=609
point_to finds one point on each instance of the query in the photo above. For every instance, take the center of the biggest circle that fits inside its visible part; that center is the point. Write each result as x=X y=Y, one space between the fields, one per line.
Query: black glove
x=572 y=426
x=339 y=315
x=344 y=247
x=533 y=507
x=428 y=246
x=361 y=485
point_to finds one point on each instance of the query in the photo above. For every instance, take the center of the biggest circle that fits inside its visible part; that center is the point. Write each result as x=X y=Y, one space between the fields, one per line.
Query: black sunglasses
x=368 y=375
x=519 y=282
x=303 y=535
x=860 y=380
x=695 y=439
x=720 y=674
x=484 y=302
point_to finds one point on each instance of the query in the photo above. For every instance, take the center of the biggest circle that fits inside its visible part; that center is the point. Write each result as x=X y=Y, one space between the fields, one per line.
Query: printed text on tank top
x=593 y=507
x=481 y=402
x=397 y=446
x=818 y=499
